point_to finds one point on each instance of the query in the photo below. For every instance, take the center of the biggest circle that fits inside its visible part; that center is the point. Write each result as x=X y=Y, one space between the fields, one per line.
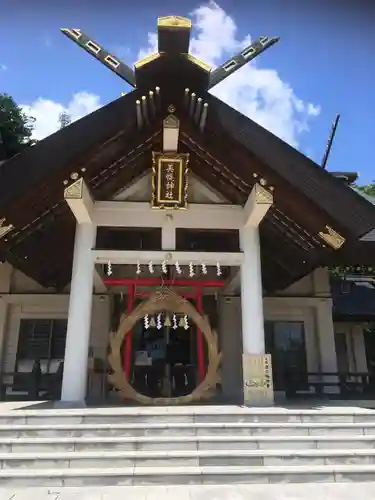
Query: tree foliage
x=16 y=127
x=367 y=189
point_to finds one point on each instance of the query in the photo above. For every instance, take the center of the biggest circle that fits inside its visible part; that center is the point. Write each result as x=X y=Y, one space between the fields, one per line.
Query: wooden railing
x=350 y=385
x=32 y=385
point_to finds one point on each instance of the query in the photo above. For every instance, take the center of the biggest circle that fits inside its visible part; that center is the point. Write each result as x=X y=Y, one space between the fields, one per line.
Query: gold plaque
x=257 y=379
x=169 y=180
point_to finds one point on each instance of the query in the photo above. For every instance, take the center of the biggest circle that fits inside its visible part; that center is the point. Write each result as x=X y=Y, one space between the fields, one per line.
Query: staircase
x=185 y=445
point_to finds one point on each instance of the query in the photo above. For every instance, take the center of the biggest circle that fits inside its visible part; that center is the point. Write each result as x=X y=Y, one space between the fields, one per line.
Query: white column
x=5 y=287
x=79 y=320
x=326 y=335
x=251 y=293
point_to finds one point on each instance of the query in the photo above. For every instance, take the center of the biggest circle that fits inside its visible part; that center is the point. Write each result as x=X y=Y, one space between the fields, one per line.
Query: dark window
x=285 y=341
x=128 y=238
x=41 y=339
x=207 y=240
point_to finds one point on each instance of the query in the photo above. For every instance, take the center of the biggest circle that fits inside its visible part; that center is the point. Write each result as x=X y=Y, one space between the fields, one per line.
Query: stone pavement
x=327 y=491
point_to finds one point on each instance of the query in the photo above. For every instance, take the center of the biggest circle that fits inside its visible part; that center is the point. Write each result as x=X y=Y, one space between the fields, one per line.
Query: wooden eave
x=232 y=154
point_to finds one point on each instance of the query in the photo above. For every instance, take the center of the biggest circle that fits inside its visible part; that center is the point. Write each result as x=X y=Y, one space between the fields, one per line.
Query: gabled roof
x=230 y=152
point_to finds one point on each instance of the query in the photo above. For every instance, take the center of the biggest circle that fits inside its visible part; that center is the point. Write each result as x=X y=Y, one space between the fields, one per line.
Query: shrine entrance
x=164 y=350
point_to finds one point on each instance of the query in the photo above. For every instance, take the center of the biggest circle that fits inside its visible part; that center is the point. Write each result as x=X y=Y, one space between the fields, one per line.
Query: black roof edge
x=22 y=171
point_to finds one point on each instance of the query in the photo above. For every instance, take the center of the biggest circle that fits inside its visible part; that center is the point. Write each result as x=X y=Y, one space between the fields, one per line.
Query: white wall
x=21 y=297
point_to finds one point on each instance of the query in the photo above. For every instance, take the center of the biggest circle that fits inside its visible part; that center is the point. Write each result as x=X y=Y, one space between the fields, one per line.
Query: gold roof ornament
x=146 y=59
x=174 y=22
x=332 y=238
x=5 y=228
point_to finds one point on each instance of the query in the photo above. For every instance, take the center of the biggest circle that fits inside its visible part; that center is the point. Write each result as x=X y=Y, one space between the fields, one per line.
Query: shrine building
x=166 y=249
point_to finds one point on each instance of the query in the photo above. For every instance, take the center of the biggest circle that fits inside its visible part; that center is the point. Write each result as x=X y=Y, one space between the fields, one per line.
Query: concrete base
x=69 y=405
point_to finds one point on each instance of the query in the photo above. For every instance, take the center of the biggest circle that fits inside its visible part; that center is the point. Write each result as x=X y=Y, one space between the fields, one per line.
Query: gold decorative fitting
x=332 y=237
x=112 y=61
x=171 y=108
x=169 y=180
x=198 y=62
x=74 y=176
x=169 y=301
x=74 y=191
x=93 y=46
x=74 y=33
x=262 y=195
x=5 y=229
x=171 y=121
x=146 y=60
x=174 y=22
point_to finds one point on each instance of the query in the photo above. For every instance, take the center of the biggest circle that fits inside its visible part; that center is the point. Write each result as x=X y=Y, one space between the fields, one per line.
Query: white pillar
x=326 y=335
x=79 y=319
x=251 y=293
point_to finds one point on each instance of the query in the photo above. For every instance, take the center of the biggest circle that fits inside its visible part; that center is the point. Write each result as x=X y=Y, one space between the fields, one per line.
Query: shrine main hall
x=166 y=249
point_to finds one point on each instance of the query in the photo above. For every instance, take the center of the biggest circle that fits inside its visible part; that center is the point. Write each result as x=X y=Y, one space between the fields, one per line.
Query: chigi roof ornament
x=173 y=48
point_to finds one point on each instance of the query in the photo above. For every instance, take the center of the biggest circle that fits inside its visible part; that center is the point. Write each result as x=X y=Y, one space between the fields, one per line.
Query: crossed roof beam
x=175 y=27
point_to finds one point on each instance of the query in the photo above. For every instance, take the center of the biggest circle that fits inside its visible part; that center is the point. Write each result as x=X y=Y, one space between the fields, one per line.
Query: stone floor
x=328 y=491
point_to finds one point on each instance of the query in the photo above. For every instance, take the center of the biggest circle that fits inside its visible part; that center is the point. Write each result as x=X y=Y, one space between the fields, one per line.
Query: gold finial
x=174 y=22
x=171 y=109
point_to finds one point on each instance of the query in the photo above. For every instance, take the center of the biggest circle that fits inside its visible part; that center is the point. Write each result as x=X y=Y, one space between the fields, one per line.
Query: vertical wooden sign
x=169 y=180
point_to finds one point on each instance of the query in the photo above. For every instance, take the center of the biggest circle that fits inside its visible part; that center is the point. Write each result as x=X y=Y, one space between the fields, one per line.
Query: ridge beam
x=236 y=62
x=93 y=48
x=260 y=200
x=80 y=201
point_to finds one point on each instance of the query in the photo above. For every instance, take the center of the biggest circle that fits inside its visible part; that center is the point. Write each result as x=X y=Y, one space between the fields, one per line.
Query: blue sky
x=322 y=65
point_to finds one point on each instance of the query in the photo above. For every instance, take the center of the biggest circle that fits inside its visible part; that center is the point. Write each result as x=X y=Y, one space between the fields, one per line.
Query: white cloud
x=3 y=67
x=257 y=92
x=47 y=112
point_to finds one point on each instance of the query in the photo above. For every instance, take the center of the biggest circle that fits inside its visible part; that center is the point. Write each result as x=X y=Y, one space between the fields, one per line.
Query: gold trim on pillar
x=332 y=238
x=74 y=191
x=169 y=180
x=174 y=22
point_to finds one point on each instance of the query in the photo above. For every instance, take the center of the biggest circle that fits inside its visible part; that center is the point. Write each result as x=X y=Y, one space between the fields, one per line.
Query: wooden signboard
x=169 y=180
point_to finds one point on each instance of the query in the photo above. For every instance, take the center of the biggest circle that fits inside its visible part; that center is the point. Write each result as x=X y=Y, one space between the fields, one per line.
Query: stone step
x=186 y=429
x=185 y=475
x=148 y=443
x=194 y=458
x=189 y=414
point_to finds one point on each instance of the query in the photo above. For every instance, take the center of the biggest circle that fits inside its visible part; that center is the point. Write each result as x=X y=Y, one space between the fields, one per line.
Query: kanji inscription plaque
x=169 y=180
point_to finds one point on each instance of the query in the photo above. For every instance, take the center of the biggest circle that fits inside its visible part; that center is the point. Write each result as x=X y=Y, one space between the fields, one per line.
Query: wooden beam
x=158 y=256
x=233 y=283
x=140 y=214
x=79 y=199
x=236 y=62
x=257 y=205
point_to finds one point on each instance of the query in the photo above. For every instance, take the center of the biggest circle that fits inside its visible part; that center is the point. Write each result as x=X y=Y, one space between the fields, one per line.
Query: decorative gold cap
x=174 y=22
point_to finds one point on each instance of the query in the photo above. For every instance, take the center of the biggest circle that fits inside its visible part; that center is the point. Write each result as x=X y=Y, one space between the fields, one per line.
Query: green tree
x=16 y=127
x=368 y=188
